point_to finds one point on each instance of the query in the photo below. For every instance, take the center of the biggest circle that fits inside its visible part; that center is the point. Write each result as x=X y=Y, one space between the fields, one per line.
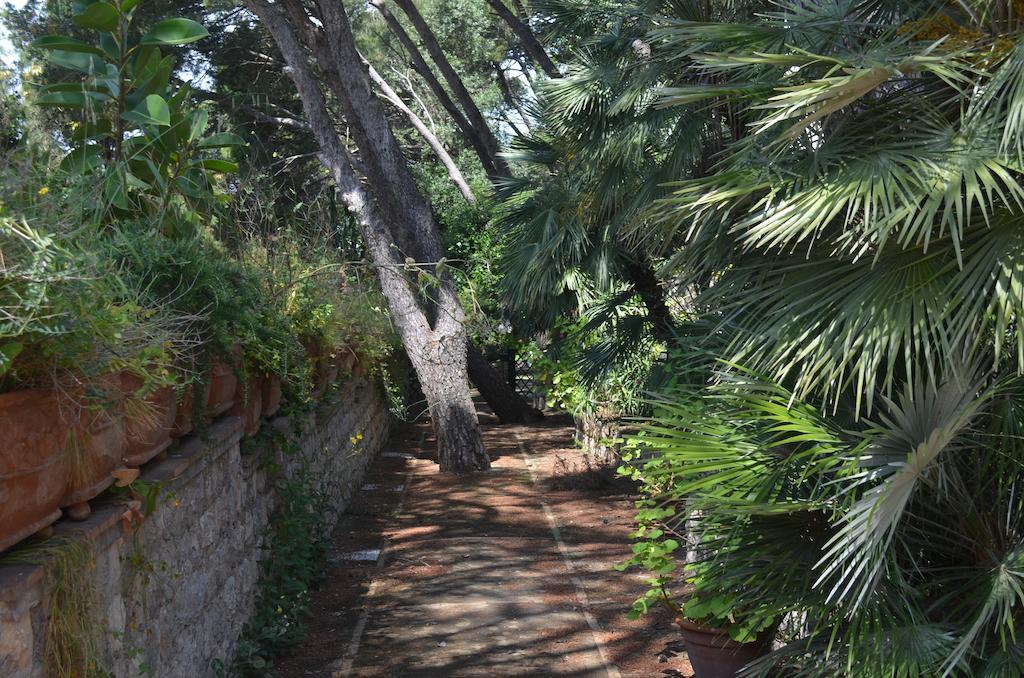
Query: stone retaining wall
x=173 y=593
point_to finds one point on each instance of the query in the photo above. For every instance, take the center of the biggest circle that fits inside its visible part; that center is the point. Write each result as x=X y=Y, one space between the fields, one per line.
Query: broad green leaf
x=221 y=139
x=79 y=87
x=217 y=165
x=79 y=61
x=198 y=121
x=81 y=160
x=189 y=187
x=128 y=5
x=135 y=182
x=109 y=46
x=64 y=43
x=152 y=111
x=99 y=16
x=62 y=99
x=174 y=32
x=158 y=82
x=115 y=190
x=147 y=60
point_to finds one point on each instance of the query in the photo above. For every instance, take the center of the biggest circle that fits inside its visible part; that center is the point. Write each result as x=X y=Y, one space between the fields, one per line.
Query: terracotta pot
x=33 y=472
x=249 y=405
x=220 y=390
x=713 y=654
x=272 y=395
x=97 y=449
x=149 y=433
x=183 y=420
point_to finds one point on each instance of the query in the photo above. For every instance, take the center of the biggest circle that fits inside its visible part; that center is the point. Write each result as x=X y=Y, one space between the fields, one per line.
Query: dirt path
x=506 y=573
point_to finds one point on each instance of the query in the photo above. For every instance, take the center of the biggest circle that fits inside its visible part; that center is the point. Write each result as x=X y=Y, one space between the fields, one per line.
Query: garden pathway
x=505 y=573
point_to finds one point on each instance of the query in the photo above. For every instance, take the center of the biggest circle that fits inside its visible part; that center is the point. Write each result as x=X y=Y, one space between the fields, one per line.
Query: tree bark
x=529 y=41
x=508 y=405
x=476 y=140
x=454 y=173
x=437 y=352
x=462 y=95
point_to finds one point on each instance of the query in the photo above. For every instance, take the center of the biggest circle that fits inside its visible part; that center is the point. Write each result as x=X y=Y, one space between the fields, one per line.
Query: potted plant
x=249 y=404
x=221 y=387
x=272 y=395
x=152 y=410
x=97 y=445
x=720 y=643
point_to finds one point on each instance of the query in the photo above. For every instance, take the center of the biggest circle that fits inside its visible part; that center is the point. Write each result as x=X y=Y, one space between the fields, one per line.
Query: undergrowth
x=72 y=626
x=295 y=543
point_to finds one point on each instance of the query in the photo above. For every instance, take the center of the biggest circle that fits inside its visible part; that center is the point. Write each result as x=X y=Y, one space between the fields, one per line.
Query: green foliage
x=72 y=620
x=576 y=381
x=137 y=140
x=67 y=307
x=231 y=302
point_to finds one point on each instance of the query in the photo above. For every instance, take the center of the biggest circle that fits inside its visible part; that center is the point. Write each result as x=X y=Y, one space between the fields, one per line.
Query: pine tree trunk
x=509 y=406
x=510 y=98
x=437 y=351
x=454 y=173
x=452 y=413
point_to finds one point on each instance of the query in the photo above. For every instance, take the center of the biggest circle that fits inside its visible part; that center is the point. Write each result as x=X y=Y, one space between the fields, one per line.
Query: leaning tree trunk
x=529 y=41
x=454 y=173
x=437 y=352
x=476 y=138
x=462 y=94
x=509 y=406
x=452 y=412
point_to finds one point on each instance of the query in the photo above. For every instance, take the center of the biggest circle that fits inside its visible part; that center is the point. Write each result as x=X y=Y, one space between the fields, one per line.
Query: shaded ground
x=506 y=573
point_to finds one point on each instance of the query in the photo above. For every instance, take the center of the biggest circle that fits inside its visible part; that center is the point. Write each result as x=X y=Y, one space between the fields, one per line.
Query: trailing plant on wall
x=295 y=543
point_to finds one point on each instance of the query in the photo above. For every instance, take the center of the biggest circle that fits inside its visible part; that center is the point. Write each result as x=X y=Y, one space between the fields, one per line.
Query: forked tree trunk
x=436 y=351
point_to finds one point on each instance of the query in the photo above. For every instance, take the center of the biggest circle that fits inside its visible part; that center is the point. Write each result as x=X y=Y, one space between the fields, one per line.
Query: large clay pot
x=249 y=405
x=97 y=448
x=272 y=395
x=33 y=472
x=149 y=432
x=183 y=420
x=220 y=390
x=713 y=654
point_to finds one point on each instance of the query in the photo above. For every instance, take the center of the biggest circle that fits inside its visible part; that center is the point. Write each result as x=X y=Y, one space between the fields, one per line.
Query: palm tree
x=849 y=448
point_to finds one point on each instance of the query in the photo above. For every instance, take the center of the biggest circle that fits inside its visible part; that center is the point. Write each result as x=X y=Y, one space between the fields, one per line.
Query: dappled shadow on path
x=472 y=581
